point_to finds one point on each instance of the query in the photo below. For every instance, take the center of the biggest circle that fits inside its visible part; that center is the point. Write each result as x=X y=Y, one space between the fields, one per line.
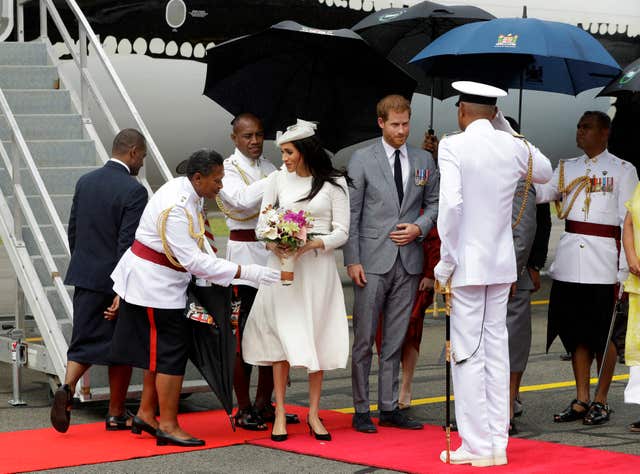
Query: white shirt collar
x=389 y=150
x=122 y=163
x=480 y=124
x=246 y=160
x=193 y=195
x=595 y=158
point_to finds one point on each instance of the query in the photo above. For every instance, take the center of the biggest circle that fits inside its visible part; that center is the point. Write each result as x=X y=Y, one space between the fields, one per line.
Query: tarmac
x=547 y=389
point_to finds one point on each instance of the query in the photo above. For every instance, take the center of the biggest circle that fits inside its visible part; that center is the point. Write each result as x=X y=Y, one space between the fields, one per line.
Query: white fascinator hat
x=301 y=129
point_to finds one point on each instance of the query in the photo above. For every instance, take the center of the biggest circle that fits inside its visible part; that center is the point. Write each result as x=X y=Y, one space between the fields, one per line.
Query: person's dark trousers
x=242 y=372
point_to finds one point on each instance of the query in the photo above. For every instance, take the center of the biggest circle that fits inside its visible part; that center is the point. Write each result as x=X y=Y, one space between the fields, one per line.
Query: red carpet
x=419 y=451
x=411 y=451
x=33 y=450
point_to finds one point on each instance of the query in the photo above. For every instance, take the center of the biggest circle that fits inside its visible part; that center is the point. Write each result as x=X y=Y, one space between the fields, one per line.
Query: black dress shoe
x=138 y=425
x=118 y=423
x=362 y=422
x=163 y=439
x=60 y=414
x=279 y=437
x=248 y=419
x=397 y=419
x=318 y=436
x=635 y=427
x=268 y=414
x=598 y=414
x=570 y=413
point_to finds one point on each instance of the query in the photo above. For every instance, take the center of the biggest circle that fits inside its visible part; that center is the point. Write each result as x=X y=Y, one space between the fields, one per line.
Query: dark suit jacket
x=106 y=210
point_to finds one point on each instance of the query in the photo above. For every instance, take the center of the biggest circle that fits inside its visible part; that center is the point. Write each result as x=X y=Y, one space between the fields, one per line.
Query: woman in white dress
x=304 y=324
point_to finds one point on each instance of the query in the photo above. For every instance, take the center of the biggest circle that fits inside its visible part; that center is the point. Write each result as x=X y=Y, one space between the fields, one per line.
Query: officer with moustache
x=480 y=168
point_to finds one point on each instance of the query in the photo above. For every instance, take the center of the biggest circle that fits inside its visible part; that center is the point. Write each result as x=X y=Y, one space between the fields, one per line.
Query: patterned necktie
x=397 y=176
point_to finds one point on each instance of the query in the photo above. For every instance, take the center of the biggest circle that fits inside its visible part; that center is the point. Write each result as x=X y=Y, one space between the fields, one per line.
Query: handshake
x=259 y=274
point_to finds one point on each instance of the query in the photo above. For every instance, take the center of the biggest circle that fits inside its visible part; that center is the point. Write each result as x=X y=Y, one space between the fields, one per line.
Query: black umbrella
x=400 y=33
x=290 y=71
x=626 y=83
x=213 y=346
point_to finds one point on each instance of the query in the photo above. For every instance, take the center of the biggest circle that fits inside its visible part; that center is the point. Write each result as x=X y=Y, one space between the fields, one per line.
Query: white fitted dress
x=304 y=323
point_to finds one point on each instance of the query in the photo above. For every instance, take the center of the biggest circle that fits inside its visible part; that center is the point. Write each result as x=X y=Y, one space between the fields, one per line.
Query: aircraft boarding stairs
x=44 y=134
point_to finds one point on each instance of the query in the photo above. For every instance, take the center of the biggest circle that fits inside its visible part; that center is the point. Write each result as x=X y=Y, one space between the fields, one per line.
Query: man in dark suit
x=106 y=209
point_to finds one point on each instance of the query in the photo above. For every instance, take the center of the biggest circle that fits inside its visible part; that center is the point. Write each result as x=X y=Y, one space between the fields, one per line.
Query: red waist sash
x=147 y=253
x=243 y=235
x=589 y=228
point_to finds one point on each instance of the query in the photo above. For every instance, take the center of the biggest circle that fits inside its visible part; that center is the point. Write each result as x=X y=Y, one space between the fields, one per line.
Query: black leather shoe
x=570 y=413
x=268 y=414
x=163 y=439
x=318 y=436
x=138 y=425
x=397 y=419
x=248 y=419
x=598 y=414
x=118 y=423
x=635 y=427
x=279 y=437
x=60 y=410
x=362 y=422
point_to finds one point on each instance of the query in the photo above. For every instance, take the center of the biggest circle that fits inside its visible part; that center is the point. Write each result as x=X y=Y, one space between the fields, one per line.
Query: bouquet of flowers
x=285 y=228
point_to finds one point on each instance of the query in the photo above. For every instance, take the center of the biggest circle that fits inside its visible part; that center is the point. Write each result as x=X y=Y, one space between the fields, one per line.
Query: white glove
x=259 y=275
x=500 y=123
x=443 y=272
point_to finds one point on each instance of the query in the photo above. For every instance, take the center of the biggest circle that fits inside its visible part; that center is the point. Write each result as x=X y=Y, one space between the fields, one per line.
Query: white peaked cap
x=301 y=129
x=477 y=93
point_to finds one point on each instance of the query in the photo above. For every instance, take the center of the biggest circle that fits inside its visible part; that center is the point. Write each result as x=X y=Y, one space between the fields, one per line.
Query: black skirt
x=152 y=339
x=92 y=333
x=580 y=313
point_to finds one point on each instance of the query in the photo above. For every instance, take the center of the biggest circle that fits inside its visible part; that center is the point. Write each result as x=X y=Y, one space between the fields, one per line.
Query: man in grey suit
x=392 y=182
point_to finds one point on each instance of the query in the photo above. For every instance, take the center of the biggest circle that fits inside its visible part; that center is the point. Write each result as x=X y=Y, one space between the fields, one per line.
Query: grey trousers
x=519 y=329
x=391 y=294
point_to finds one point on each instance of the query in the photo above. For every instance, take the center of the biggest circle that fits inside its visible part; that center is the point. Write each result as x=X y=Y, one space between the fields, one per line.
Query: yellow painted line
x=33 y=339
x=528 y=388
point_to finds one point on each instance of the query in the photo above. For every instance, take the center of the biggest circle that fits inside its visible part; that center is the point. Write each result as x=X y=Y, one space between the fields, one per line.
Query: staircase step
x=59 y=152
x=29 y=77
x=57 y=180
x=62 y=203
x=51 y=238
x=61 y=261
x=41 y=127
x=14 y=53
x=39 y=101
x=56 y=302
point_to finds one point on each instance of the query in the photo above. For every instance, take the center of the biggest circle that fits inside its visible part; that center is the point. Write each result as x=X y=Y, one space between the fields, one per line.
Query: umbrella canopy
x=627 y=83
x=400 y=33
x=521 y=53
x=213 y=346
x=290 y=71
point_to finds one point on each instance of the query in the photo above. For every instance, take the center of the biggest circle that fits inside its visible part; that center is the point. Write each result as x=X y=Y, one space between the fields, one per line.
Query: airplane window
x=176 y=13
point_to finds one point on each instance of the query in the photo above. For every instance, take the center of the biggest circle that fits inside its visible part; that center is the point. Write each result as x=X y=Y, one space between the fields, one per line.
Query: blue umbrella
x=524 y=53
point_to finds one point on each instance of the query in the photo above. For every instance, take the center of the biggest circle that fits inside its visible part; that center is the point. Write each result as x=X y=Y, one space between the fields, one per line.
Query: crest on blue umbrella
x=627 y=83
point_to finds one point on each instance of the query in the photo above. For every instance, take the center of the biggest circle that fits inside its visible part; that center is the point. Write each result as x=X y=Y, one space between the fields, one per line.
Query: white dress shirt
x=404 y=160
x=479 y=171
x=586 y=258
x=145 y=283
x=243 y=200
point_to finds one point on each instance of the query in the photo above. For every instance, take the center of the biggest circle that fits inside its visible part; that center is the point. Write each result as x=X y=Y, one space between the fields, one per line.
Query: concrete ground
x=545 y=392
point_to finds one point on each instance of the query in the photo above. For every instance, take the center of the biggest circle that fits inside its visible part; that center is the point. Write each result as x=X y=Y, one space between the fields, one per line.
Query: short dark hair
x=125 y=139
x=244 y=116
x=604 y=121
x=203 y=162
x=395 y=102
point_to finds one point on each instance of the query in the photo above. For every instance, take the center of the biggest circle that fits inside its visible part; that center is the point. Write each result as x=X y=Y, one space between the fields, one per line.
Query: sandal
x=119 y=422
x=598 y=414
x=248 y=419
x=635 y=427
x=570 y=414
x=268 y=414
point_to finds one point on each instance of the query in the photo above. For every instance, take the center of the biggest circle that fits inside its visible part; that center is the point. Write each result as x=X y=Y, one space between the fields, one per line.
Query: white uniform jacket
x=586 y=258
x=479 y=171
x=241 y=199
x=145 y=283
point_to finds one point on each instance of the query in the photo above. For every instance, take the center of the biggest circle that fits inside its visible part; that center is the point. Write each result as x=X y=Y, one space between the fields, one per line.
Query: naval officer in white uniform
x=588 y=263
x=480 y=168
x=239 y=200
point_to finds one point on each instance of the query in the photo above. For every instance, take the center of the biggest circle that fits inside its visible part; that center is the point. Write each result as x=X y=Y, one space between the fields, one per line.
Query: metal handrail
x=87 y=83
x=21 y=199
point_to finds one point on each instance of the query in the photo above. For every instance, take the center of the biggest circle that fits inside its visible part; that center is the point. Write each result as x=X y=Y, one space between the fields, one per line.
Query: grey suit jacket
x=524 y=232
x=375 y=210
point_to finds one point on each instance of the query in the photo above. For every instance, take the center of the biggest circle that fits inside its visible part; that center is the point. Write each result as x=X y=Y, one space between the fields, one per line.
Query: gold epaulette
x=575 y=186
x=162 y=231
